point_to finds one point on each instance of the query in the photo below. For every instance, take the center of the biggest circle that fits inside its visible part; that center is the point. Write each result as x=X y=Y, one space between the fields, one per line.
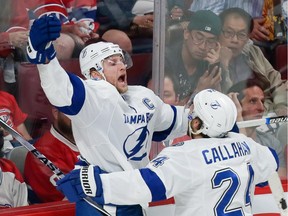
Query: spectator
x=59 y=147
x=13 y=38
x=254 y=8
x=190 y=58
x=79 y=25
x=86 y=12
x=117 y=14
x=243 y=60
x=218 y=166
x=170 y=88
x=249 y=97
x=113 y=123
x=13 y=190
x=11 y=113
x=170 y=96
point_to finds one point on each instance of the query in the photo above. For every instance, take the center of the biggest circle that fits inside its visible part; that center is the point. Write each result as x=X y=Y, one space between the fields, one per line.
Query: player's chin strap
x=278 y=193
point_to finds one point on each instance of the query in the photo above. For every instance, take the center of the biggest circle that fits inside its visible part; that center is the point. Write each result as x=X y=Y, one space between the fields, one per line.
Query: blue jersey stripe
x=275 y=156
x=161 y=135
x=154 y=184
x=77 y=98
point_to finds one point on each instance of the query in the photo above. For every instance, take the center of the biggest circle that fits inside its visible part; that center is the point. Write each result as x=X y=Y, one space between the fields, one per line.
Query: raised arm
x=57 y=84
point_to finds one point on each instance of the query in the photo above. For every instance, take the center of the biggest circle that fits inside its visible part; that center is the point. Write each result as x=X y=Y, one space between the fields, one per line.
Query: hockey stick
x=46 y=161
x=258 y=122
x=278 y=193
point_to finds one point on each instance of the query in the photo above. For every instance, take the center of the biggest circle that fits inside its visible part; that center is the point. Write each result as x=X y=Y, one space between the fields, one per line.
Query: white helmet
x=216 y=111
x=93 y=55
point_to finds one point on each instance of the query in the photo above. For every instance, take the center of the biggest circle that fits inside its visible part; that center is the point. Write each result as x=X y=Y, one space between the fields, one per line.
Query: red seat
x=280 y=59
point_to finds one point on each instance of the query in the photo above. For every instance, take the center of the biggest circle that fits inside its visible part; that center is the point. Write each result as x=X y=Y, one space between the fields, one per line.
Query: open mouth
x=122 y=78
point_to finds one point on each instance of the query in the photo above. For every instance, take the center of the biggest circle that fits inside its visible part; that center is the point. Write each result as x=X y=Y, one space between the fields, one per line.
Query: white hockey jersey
x=206 y=177
x=111 y=130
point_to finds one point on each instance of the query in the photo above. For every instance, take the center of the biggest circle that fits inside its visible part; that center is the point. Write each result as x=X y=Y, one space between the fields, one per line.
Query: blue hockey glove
x=43 y=31
x=81 y=183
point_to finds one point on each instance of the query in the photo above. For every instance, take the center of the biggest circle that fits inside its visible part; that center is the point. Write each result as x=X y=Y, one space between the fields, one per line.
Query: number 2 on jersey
x=228 y=174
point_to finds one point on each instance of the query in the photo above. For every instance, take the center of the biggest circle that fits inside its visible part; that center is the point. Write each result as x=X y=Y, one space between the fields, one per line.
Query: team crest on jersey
x=135 y=146
x=159 y=161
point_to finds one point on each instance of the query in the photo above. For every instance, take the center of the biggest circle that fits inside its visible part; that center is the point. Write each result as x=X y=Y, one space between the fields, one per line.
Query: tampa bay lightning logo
x=215 y=105
x=135 y=146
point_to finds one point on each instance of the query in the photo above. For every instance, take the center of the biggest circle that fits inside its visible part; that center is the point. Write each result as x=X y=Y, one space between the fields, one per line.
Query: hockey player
x=216 y=165
x=113 y=123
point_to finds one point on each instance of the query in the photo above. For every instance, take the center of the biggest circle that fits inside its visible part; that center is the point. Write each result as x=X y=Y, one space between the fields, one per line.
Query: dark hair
x=242 y=85
x=240 y=12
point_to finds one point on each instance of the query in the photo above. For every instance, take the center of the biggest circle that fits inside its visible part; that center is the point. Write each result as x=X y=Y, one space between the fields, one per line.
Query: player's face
x=253 y=103
x=200 y=43
x=234 y=34
x=114 y=69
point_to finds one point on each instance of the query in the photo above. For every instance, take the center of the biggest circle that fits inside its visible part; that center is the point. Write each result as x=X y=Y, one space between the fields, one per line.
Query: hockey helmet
x=92 y=56
x=216 y=111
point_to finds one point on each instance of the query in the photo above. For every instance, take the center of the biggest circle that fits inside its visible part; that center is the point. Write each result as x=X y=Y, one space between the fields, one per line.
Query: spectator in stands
x=117 y=14
x=242 y=60
x=79 y=25
x=13 y=190
x=13 y=38
x=59 y=147
x=190 y=58
x=179 y=10
x=170 y=88
x=170 y=96
x=249 y=96
x=11 y=113
x=254 y=8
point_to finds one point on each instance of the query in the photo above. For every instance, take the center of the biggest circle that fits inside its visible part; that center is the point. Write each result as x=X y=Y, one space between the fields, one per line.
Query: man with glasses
x=191 y=57
x=243 y=60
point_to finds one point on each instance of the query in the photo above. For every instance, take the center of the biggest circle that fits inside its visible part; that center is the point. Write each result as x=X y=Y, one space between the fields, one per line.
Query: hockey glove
x=81 y=183
x=43 y=31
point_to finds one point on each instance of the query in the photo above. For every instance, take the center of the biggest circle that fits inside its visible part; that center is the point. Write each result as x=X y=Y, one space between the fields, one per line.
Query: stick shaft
x=258 y=122
x=45 y=160
x=278 y=193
